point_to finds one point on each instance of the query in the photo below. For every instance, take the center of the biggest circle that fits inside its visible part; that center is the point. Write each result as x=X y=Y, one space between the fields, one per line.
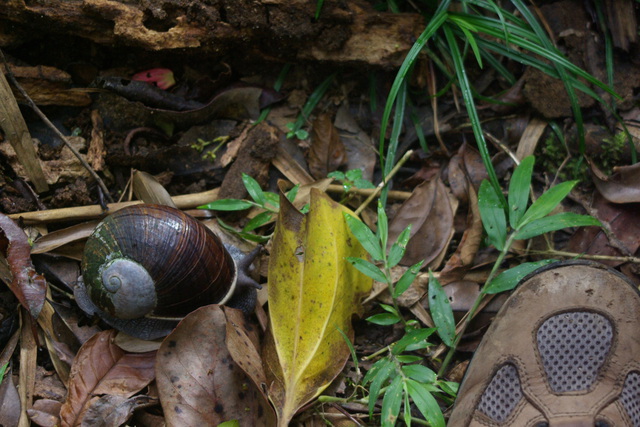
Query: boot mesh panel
x=573 y=346
x=630 y=397
x=502 y=394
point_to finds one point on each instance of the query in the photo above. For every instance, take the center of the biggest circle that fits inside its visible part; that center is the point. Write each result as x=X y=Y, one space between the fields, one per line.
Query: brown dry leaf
x=9 y=401
x=45 y=412
x=112 y=411
x=429 y=212
x=60 y=341
x=101 y=367
x=469 y=244
x=65 y=236
x=624 y=223
x=621 y=187
x=149 y=190
x=465 y=167
x=327 y=152
x=27 y=285
x=198 y=381
x=96 y=151
x=357 y=143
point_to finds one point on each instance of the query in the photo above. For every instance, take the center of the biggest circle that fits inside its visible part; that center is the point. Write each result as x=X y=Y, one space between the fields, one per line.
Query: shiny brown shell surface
x=188 y=262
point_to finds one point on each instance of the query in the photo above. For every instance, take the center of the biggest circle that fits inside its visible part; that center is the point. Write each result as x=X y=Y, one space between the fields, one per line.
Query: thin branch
x=59 y=134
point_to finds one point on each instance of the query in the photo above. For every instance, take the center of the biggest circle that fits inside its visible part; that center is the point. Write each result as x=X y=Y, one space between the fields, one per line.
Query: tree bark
x=284 y=30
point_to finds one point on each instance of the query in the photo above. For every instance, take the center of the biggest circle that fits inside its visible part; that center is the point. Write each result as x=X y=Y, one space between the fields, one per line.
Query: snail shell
x=155 y=261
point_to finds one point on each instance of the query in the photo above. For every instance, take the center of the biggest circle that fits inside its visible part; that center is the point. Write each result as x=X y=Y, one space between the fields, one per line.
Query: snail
x=145 y=267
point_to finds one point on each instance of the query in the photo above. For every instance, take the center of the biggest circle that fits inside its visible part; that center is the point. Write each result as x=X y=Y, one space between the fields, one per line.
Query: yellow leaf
x=313 y=292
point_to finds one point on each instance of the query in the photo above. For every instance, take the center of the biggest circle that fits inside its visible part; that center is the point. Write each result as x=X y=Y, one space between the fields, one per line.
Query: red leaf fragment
x=161 y=77
x=27 y=285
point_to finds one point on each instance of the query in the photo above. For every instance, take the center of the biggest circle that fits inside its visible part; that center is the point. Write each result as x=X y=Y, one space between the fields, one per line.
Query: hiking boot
x=564 y=350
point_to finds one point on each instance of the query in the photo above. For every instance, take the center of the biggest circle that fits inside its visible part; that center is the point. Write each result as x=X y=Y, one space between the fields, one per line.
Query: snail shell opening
x=131 y=288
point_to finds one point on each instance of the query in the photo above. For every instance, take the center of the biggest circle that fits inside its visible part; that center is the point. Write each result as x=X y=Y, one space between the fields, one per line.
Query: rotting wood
x=283 y=30
x=16 y=132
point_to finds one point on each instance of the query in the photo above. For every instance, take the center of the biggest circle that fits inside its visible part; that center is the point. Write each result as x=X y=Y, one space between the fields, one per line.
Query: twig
x=186 y=201
x=46 y=120
x=384 y=182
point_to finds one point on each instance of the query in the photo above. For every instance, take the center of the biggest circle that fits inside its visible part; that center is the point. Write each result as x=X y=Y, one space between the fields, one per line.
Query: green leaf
x=412 y=337
x=546 y=202
x=426 y=403
x=408 y=358
x=381 y=376
x=272 y=201
x=365 y=236
x=449 y=387
x=353 y=174
x=492 y=214
x=253 y=188
x=441 y=311
x=391 y=402
x=555 y=222
x=337 y=175
x=384 y=319
x=368 y=268
x=407 y=279
x=399 y=247
x=364 y=184
x=374 y=370
x=258 y=221
x=419 y=373
x=228 y=205
x=291 y=194
x=509 y=279
x=519 y=190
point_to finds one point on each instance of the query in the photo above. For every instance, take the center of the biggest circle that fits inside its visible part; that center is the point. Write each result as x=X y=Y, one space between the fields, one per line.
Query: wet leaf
x=198 y=381
x=313 y=292
x=622 y=187
x=101 y=367
x=26 y=284
x=429 y=213
x=327 y=152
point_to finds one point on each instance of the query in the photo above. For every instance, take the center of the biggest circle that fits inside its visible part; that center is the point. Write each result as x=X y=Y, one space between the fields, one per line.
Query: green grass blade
x=434 y=24
x=467 y=95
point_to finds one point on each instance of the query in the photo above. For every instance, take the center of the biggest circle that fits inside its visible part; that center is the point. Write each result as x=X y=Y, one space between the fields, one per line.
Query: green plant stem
x=392 y=290
x=384 y=182
x=472 y=312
